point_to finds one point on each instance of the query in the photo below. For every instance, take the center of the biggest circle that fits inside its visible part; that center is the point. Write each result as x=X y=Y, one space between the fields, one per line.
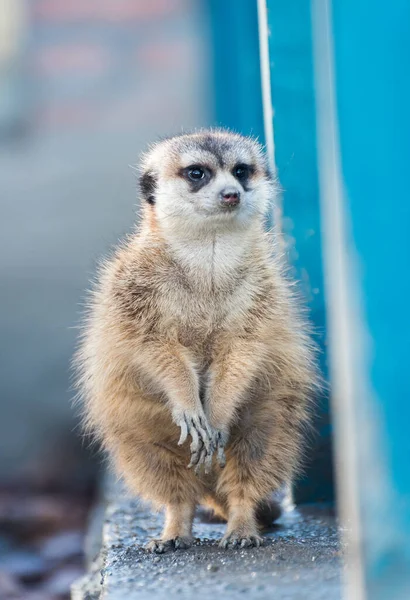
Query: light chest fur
x=203 y=287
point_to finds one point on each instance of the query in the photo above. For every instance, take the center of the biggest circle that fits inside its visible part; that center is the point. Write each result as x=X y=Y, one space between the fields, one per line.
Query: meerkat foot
x=160 y=546
x=237 y=539
x=242 y=530
x=177 y=534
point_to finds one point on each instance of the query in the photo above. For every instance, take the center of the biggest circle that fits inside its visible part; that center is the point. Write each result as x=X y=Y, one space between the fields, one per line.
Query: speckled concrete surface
x=301 y=559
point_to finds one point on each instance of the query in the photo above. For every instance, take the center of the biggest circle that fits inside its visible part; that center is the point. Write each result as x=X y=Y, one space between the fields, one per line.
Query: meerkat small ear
x=148 y=184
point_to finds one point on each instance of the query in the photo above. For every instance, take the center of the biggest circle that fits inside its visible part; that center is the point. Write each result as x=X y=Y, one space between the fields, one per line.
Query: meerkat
x=196 y=365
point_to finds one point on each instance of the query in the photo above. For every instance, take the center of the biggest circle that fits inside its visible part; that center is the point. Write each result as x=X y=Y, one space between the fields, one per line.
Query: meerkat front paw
x=202 y=446
x=203 y=457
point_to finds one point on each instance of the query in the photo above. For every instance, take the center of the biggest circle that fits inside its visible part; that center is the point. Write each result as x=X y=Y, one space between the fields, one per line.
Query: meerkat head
x=208 y=180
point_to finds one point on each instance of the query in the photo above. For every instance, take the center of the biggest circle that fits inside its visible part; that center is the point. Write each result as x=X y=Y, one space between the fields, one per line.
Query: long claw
x=195 y=457
x=201 y=460
x=205 y=437
x=208 y=463
x=184 y=432
x=195 y=445
x=205 y=425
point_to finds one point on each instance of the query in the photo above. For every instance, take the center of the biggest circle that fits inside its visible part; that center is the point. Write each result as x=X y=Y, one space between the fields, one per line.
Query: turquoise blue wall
x=293 y=100
x=235 y=66
x=238 y=104
x=372 y=62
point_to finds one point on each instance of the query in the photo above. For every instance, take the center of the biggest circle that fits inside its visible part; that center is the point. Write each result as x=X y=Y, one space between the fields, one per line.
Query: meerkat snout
x=229 y=197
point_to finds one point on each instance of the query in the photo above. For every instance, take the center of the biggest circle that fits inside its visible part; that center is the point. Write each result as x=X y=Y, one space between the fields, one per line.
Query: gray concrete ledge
x=301 y=559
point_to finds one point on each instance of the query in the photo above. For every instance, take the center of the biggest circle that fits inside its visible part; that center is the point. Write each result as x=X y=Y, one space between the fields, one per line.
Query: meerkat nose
x=230 y=196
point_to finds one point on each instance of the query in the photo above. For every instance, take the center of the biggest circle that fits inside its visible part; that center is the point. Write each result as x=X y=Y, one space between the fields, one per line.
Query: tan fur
x=193 y=316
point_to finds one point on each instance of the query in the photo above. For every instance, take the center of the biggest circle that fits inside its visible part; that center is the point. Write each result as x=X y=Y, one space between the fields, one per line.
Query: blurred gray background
x=83 y=87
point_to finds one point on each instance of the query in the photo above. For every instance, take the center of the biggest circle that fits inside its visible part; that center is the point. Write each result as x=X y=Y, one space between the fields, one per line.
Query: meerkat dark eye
x=196 y=173
x=241 y=171
x=198 y=176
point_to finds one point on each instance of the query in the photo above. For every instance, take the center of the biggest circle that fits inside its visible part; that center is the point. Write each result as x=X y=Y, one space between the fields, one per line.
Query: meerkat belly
x=194 y=320
x=200 y=340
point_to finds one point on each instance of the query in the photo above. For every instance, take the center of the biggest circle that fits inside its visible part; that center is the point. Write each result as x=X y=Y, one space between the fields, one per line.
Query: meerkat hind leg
x=242 y=528
x=177 y=533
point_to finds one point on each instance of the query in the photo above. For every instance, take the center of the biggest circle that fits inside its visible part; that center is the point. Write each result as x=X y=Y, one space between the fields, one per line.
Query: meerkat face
x=210 y=179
